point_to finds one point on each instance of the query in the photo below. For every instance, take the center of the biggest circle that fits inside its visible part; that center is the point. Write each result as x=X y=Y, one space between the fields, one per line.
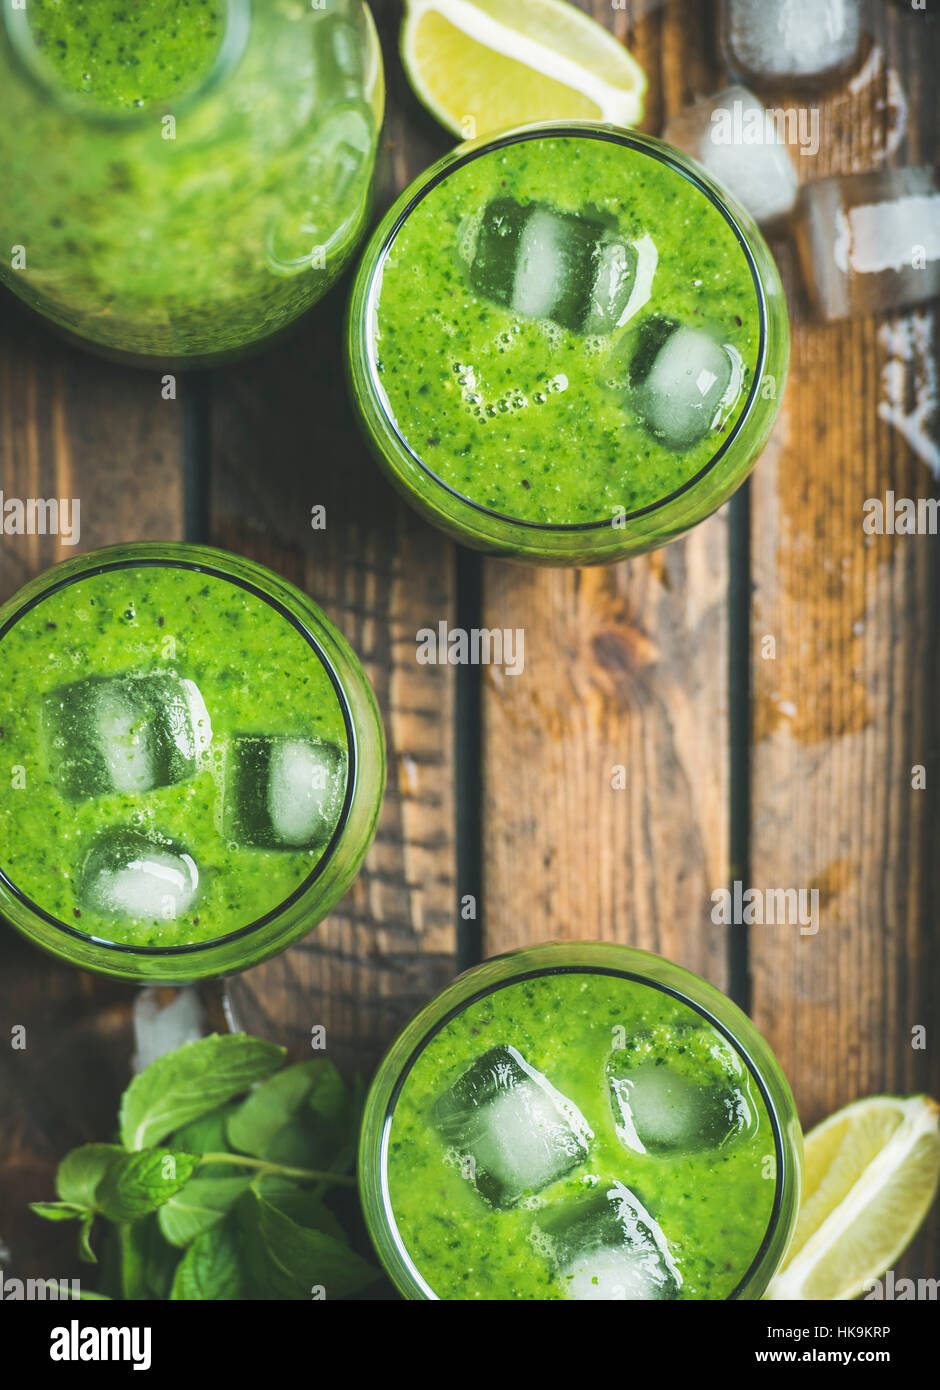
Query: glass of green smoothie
x=567 y=344
x=183 y=178
x=580 y=1121
x=193 y=762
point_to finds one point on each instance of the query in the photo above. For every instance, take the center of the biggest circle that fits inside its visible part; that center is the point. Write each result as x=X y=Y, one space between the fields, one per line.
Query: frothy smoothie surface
x=127 y=54
x=179 y=752
x=580 y=1135
x=565 y=329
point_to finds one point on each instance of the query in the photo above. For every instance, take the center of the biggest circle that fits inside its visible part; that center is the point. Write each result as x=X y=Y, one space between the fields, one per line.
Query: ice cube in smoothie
x=568 y=268
x=606 y=1246
x=128 y=874
x=282 y=792
x=513 y=1132
x=128 y=733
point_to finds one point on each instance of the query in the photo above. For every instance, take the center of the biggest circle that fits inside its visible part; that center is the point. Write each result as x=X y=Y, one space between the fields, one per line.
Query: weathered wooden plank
x=847 y=705
x=625 y=667
x=70 y=426
x=283 y=439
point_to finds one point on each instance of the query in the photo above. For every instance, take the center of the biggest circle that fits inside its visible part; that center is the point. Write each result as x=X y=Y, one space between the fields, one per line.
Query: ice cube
x=128 y=874
x=683 y=381
x=165 y=1019
x=606 y=1246
x=282 y=792
x=543 y=264
x=870 y=242
x=774 y=41
x=125 y=733
x=514 y=1132
x=679 y=1090
x=739 y=144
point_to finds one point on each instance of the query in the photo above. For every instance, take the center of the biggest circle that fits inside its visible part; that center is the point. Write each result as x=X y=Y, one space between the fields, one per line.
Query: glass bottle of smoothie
x=195 y=762
x=580 y=1121
x=567 y=344
x=183 y=178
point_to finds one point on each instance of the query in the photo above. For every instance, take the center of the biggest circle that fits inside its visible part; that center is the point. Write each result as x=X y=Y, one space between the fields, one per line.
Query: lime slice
x=483 y=65
x=871 y=1174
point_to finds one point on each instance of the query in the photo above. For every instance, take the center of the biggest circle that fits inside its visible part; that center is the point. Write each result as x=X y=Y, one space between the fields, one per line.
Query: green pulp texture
x=522 y=416
x=713 y=1205
x=214 y=215
x=256 y=673
x=128 y=53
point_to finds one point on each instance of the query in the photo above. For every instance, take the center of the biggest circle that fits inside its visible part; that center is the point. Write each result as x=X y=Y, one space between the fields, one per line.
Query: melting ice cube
x=127 y=874
x=679 y=1091
x=282 y=792
x=870 y=242
x=514 y=1131
x=780 y=40
x=607 y=1246
x=125 y=733
x=738 y=142
x=545 y=264
x=683 y=381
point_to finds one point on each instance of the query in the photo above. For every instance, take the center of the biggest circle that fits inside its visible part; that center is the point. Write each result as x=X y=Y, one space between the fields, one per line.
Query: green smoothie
x=128 y=54
x=183 y=178
x=176 y=753
x=580 y=1135
x=571 y=293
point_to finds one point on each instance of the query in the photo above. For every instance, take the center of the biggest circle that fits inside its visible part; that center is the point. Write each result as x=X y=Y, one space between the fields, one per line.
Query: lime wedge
x=483 y=65
x=871 y=1175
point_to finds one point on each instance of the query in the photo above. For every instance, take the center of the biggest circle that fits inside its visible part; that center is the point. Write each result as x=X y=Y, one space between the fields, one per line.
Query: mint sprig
x=221 y=1185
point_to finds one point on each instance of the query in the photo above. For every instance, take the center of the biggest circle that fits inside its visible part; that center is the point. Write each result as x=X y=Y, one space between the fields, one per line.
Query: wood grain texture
x=283 y=438
x=70 y=426
x=848 y=705
x=625 y=667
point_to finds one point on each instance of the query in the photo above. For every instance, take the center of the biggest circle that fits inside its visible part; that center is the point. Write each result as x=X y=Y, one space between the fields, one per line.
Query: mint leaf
x=289 y=1261
x=296 y=1117
x=192 y=1081
x=148 y=1263
x=210 y=1268
x=136 y=1184
x=81 y=1171
x=57 y=1211
x=200 y=1205
x=302 y=1204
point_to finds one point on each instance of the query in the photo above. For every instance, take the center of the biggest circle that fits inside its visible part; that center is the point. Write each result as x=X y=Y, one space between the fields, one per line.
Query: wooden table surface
x=785 y=770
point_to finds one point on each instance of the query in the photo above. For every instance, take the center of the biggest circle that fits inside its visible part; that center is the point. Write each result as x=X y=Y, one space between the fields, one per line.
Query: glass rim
x=40 y=73
x=448 y=164
x=740 y=1050
x=194 y=947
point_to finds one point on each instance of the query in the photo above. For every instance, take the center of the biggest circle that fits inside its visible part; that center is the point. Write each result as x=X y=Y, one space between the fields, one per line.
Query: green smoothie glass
x=567 y=344
x=183 y=178
x=194 y=762
x=580 y=1120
